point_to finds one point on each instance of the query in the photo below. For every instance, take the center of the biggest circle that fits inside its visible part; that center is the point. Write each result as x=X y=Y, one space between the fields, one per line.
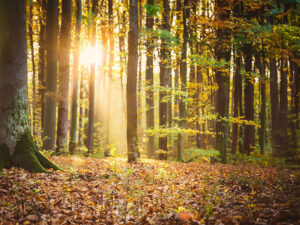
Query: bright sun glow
x=91 y=55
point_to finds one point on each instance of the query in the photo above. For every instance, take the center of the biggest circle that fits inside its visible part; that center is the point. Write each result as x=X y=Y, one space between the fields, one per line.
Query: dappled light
x=148 y=112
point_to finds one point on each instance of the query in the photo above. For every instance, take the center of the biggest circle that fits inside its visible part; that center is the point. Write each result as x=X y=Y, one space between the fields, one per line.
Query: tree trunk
x=164 y=80
x=90 y=130
x=16 y=144
x=183 y=77
x=42 y=64
x=274 y=103
x=249 y=131
x=74 y=109
x=140 y=82
x=30 y=29
x=260 y=64
x=110 y=79
x=236 y=109
x=131 y=87
x=149 y=82
x=64 y=77
x=223 y=79
x=51 y=74
x=284 y=145
x=294 y=103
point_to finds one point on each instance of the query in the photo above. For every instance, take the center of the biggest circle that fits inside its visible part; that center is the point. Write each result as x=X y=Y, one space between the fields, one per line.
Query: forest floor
x=111 y=191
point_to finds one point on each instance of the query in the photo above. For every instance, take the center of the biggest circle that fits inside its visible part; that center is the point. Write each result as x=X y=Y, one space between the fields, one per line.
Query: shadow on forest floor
x=110 y=191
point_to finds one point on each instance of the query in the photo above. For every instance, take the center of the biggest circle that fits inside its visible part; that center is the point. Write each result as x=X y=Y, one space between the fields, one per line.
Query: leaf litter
x=111 y=191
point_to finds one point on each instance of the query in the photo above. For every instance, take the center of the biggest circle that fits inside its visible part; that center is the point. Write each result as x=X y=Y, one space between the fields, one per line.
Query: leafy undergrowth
x=110 y=191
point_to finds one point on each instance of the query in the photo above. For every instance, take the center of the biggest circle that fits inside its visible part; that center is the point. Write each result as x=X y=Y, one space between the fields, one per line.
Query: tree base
x=26 y=156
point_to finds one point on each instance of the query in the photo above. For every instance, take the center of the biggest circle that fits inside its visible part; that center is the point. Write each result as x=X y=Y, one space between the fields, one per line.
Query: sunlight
x=91 y=55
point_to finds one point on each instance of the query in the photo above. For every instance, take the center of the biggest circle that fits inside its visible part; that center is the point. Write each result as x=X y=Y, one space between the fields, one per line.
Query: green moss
x=46 y=162
x=24 y=155
x=4 y=155
x=17 y=121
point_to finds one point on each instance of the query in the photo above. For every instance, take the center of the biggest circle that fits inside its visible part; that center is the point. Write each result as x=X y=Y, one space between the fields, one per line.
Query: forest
x=149 y=112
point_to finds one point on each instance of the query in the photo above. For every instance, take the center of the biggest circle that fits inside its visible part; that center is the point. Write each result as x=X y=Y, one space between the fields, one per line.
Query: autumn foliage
x=100 y=191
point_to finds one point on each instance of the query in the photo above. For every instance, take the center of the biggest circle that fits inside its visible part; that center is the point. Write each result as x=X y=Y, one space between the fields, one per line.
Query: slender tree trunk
x=140 y=82
x=110 y=66
x=260 y=64
x=42 y=58
x=149 y=82
x=164 y=80
x=223 y=79
x=16 y=143
x=183 y=77
x=274 y=103
x=81 y=109
x=284 y=147
x=51 y=74
x=64 y=77
x=199 y=136
x=74 y=109
x=105 y=91
x=295 y=103
x=249 y=131
x=30 y=29
x=237 y=85
x=90 y=130
x=131 y=88
x=236 y=109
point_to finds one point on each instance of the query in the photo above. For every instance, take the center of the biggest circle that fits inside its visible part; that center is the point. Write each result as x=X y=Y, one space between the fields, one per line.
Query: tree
x=90 y=131
x=110 y=71
x=131 y=87
x=249 y=131
x=183 y=77
x=16 y=143
x=30 y=29
x=74 y=107
x=42 y=58
x=222 y=52
x=64 y=71
x=51 y=74
x=149 y=80
x=164 y=79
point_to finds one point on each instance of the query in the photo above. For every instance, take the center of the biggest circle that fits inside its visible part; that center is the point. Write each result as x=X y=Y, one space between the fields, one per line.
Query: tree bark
x=183 y=77
x=131 y=88
x=236 y=109
x=164 y=81
x=249 y=131
x=51 y=74
x=90 y=130
x=42 y=58
x=274 y=103
x=260 y=64
x=284 y=145
x=110 y=66
x=149 y=82
x=64 y=77
x=30 y=29
x=74 y=107
x=222 y=51
x=16 y=144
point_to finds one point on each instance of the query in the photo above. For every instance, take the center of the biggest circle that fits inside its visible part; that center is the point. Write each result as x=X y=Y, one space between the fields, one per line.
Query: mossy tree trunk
x=17 y=147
